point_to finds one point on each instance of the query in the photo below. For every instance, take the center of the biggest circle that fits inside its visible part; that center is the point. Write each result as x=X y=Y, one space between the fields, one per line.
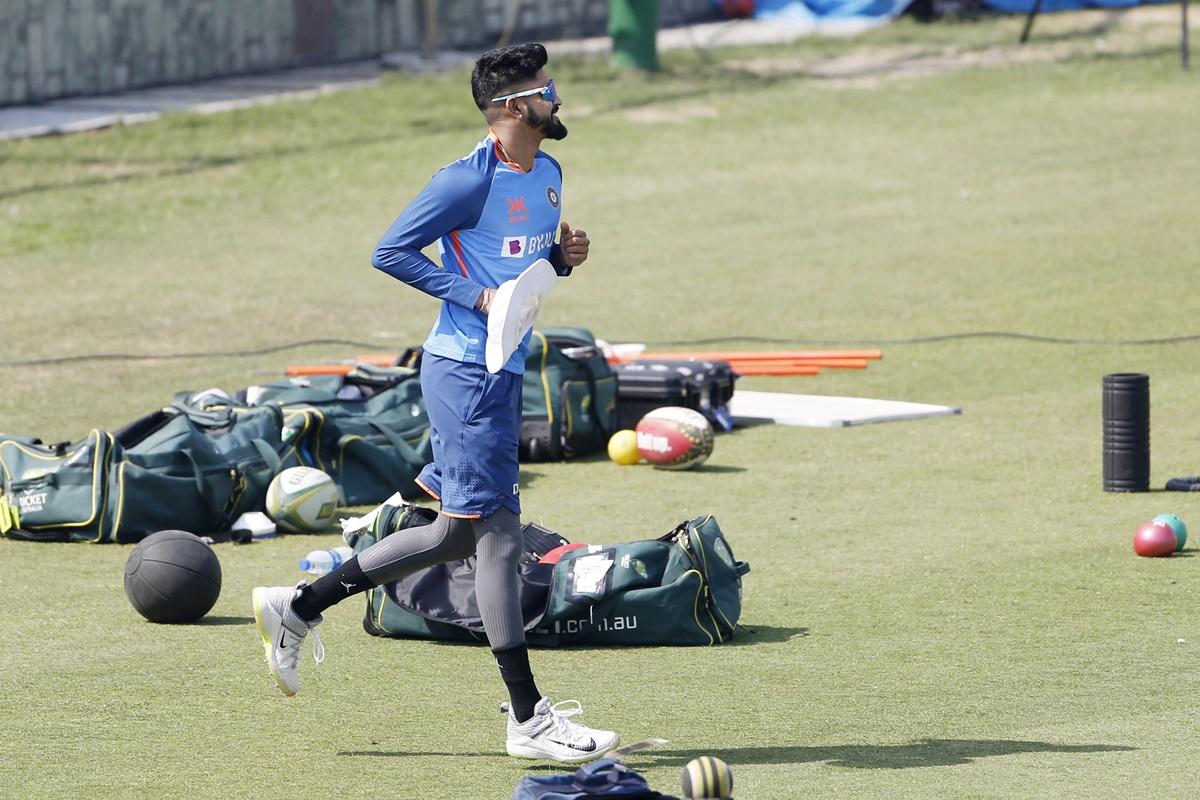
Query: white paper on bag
x=589 y=573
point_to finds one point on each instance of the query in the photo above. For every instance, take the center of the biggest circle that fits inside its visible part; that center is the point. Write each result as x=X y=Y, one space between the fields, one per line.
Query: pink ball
x=1154 y=540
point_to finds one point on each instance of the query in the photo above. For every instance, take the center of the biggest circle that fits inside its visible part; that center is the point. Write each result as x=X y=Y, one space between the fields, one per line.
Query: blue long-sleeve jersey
x=491 y=220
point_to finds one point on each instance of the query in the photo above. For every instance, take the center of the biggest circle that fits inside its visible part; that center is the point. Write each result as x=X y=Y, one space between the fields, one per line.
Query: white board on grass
x=822 y=411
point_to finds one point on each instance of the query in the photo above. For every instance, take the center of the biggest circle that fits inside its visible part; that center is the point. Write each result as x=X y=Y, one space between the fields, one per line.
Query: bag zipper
x=683 y=536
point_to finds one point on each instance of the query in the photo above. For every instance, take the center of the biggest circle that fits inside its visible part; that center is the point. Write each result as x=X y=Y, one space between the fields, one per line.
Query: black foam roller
x=1126 y=411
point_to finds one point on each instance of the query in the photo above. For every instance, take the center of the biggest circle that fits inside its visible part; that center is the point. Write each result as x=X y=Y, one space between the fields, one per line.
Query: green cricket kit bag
x=684 y=588
x=368 y=429
x=55 y=492
x=179 y=467
x=438 y=602
x=568 y=398
x=209 y=430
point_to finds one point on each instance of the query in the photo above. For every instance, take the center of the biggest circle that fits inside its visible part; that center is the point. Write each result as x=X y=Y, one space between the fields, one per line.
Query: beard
x=549 y=125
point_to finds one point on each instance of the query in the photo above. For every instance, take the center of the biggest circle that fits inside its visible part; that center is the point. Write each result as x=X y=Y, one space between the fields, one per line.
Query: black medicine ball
x=172 y=576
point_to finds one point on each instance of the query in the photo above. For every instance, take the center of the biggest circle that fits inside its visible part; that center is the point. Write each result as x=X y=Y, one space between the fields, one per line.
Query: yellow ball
x=622 y=448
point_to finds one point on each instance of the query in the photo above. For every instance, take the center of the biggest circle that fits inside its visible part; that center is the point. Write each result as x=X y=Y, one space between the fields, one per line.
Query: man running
x=492 y=213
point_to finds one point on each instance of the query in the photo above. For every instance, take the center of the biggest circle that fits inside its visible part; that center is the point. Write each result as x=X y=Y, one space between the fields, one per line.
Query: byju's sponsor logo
x=518 y=246
x=541 y=241
x=514 y=246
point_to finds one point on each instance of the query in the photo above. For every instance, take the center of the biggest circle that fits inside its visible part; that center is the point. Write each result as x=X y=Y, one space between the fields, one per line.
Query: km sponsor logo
x=517 y=210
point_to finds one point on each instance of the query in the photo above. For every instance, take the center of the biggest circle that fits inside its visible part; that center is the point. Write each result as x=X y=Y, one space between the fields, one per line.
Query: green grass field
x=940 y=608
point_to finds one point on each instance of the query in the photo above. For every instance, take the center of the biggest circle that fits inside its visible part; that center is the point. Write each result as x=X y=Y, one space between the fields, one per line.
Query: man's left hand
x=574 y=244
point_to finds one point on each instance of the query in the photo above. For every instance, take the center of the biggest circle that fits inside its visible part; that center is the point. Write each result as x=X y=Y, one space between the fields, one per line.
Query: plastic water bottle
x=319 y=562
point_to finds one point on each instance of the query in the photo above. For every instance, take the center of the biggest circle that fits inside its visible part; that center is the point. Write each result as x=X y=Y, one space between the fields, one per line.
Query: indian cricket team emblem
x=552 y=196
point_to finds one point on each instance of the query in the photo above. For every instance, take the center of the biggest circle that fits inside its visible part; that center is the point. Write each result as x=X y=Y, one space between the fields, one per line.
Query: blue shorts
x=474 y=420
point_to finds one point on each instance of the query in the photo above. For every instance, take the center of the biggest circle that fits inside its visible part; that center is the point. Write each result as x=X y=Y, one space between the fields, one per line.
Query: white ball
x=302 y=500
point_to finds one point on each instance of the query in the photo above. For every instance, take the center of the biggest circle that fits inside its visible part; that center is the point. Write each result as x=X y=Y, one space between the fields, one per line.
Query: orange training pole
x=378 y=359
x=778 y=369
x=831 y=363
x=730 y=355
x=310 y=370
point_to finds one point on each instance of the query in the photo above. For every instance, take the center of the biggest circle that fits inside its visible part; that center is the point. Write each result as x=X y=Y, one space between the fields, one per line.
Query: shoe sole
x=260 y=602
x=524 y=751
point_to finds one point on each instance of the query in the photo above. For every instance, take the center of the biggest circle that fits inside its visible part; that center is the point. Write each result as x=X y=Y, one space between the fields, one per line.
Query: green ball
x=1176 y=525
x=707 y=776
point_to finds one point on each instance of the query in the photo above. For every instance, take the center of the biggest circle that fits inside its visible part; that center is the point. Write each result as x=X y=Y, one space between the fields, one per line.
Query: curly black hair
x=496 y=70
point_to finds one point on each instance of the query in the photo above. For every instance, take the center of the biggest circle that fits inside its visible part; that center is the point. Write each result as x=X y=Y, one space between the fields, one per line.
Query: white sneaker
x=283 y=632
x=550 y=734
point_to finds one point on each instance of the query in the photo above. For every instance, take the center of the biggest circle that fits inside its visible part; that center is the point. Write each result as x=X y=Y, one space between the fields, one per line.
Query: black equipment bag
x=704 y=386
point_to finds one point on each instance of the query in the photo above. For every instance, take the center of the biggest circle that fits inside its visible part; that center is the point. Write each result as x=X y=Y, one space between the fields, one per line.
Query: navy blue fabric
x=474 y=421
x=600 y=779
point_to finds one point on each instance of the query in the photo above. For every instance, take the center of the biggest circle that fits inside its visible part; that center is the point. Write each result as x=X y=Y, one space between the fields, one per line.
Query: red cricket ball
x=1154 y=539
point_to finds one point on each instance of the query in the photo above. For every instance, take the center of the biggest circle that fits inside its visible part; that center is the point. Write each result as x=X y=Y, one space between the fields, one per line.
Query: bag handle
x=379 y=377
x=591 y=384
x=154 y=460
x=268 y=454
x=403 y=448
x=198 y=476
x=376 y=458
x=207 y=418
x=303 y=396
x=605 y=433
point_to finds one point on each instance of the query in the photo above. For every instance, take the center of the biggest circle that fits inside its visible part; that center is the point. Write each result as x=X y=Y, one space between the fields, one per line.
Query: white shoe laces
x=318 y=646
x=289 y=657
x=561 y=712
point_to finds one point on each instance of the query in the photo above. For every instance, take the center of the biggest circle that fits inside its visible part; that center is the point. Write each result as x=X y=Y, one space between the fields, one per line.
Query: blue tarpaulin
x=1048 y=6
x=882 y=10
x=814 y=10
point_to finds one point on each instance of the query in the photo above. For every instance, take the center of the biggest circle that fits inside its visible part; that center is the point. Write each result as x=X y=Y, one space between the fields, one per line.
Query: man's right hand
x=484 y=303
